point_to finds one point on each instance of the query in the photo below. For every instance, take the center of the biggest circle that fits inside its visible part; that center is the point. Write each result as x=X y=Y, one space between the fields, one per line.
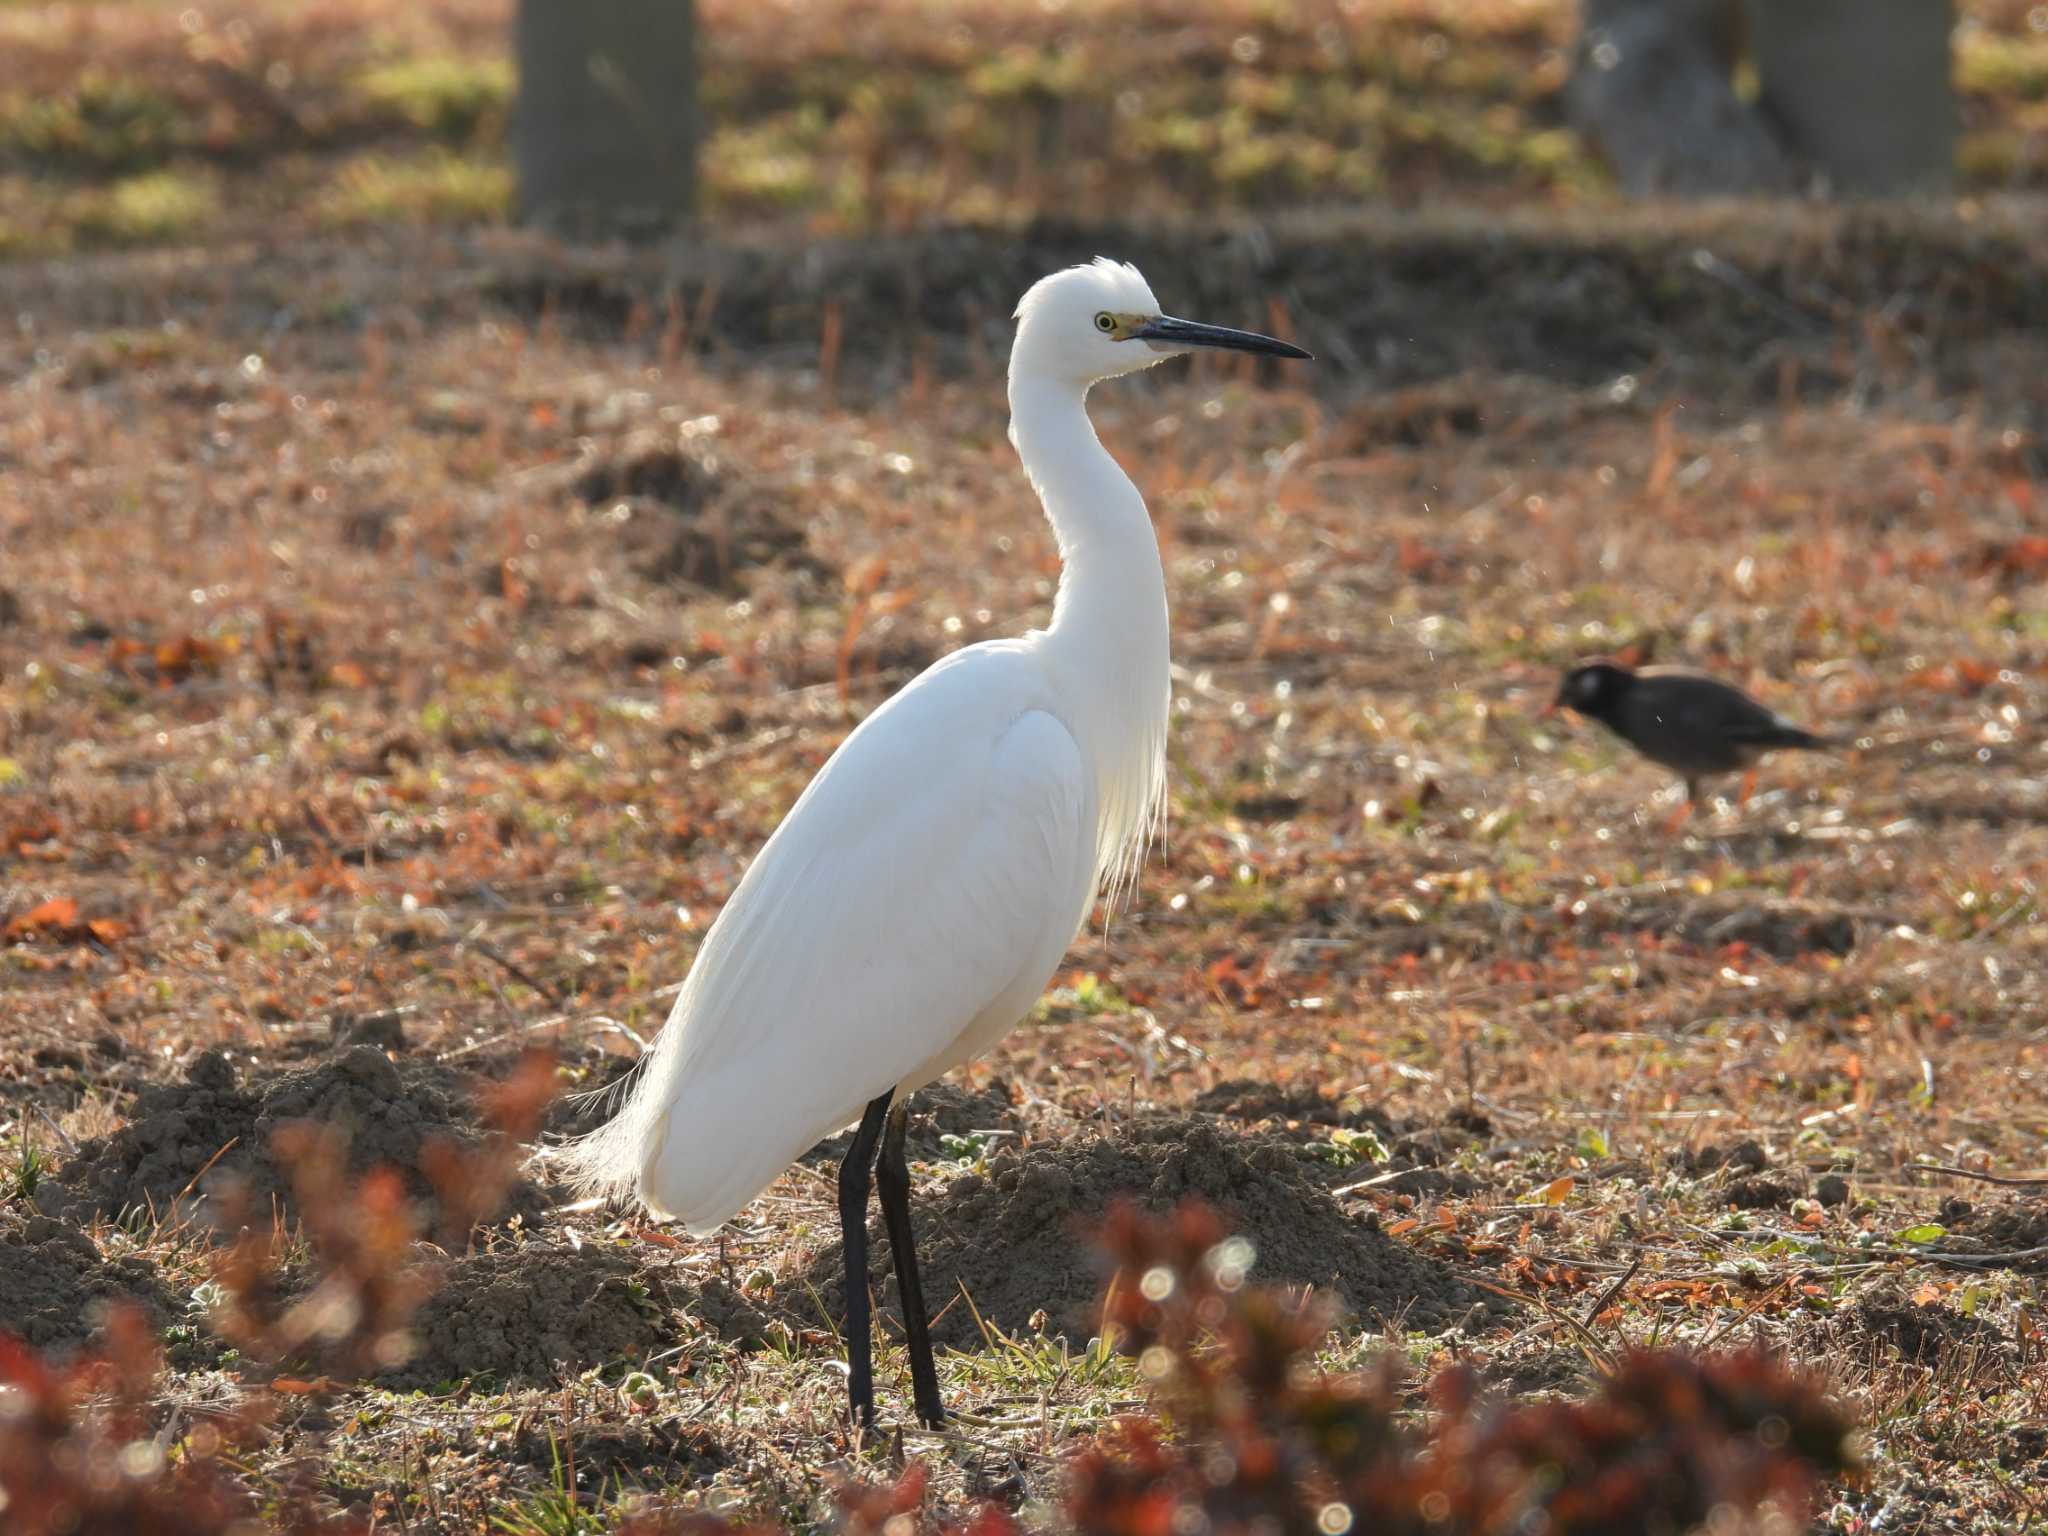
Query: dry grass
x=327 y=693
x=424 y=628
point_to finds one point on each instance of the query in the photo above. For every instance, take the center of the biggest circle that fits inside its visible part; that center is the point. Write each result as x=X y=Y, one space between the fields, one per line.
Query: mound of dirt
x=55 y=1287
x=1256 y=1102
x=184 y=1138
x=527 y=1316
x=937 y=1112
x=688 y=518
x=1286 y=1112
x=1925 y=1333
x=2018 y=1226
x=951 y=1110
x=1016 y=1239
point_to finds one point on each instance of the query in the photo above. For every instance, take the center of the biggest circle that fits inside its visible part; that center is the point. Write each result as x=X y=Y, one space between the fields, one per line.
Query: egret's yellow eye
x=1105 y=322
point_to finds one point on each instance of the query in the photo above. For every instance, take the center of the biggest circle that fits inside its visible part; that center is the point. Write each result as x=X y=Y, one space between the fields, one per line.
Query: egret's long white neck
x=1108 y=640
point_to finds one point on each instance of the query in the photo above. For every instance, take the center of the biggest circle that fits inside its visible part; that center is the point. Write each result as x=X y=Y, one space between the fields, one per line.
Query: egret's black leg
x=892 y=1183
x=854 y=1179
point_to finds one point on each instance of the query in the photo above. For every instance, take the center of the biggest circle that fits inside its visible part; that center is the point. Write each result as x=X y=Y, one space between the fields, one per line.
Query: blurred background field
x=151 y=122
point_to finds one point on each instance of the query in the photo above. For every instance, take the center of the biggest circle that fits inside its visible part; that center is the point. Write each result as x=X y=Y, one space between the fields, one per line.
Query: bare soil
x=2017 y=1227
x=532 y=1314
x=1011 y=1244
x=1258 y=1103
x=183 y=1139
x=55 y=1285
x=687 y=520
x=1924 y=1333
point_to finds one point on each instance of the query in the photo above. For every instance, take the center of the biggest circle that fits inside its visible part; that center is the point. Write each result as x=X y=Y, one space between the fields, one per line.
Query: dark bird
x=1693 y=724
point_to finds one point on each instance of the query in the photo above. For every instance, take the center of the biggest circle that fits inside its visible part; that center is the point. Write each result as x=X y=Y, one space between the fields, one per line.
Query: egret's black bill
x=1169 y=332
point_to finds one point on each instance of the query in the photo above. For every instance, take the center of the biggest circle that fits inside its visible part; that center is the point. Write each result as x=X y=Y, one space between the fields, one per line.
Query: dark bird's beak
x=1167 y=334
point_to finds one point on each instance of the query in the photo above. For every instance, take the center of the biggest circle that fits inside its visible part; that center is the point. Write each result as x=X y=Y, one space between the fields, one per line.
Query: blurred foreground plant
x=88 y=1448
x=1273 y=1445
x=1267 y=1444
x=79 y=1454
x=1263 y=1442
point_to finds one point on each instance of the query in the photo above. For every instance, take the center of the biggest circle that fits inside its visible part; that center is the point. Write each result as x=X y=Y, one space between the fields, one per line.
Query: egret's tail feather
x=605 y=1163
x=689 y=1147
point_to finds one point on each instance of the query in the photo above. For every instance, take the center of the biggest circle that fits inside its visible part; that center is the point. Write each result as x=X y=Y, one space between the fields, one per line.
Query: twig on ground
x=2004 y=1180
x=1607 y=1296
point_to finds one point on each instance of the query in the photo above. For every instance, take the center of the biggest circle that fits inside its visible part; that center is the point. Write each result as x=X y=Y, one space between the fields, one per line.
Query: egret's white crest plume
x=918 y=897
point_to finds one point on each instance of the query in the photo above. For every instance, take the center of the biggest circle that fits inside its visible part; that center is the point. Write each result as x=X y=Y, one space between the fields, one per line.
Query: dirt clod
x=732 y=1314
x=522 y=1316
x=1256 y=1102
x=2024 y=1445
x=385 y=1031
x=1924 y=1333
x=176 y=1130
x=1783 y=930
x=1831 y=1189
x=2017 y=1226
x=692 y=520
x=1761 y=1192
x=1747 y=1154
x=1015 y=1239
x=955 y=1111
x=1741 y=1157
x=55 y=1286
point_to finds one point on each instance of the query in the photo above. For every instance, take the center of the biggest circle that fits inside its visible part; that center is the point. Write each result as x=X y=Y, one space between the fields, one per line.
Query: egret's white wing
x=909 y=909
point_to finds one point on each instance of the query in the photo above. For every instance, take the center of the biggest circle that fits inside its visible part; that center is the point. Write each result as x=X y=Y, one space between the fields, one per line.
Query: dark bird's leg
x=1679 y=817
x=855 y=1175
x=892 y=1183
x=1748 y=789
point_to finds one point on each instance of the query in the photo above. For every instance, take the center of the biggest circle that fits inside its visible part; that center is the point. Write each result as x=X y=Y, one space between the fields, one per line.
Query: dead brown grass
x=334 y=694
x=330 y=697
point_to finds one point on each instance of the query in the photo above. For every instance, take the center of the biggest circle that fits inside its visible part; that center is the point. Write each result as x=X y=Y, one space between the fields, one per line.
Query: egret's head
x=1098 y=321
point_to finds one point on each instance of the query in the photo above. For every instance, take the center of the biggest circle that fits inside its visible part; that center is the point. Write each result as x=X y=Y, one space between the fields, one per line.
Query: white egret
x=918 y=897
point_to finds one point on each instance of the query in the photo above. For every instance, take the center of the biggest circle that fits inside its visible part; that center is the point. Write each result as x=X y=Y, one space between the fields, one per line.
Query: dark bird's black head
x=1595 y=689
